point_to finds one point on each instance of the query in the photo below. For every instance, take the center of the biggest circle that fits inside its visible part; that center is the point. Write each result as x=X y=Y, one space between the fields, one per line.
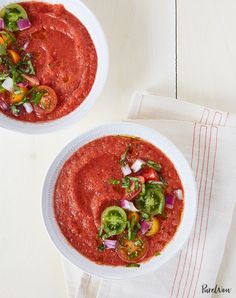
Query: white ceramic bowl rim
x=94 y=28
x=183 y=170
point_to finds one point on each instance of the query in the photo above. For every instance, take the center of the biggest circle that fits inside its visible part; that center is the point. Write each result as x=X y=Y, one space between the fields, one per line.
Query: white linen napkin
x=207 y=138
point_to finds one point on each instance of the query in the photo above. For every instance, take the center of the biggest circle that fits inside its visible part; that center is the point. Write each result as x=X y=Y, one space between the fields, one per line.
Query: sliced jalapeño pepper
x=11 y=14
x=114 y=220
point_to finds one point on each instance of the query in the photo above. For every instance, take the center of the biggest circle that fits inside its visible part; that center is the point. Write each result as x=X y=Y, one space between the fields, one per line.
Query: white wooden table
x=143 y=49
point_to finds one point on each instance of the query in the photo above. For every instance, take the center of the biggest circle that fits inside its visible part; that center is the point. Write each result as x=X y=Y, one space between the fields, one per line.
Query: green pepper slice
x=114 y=220
x=11 y=14
x=152 y=202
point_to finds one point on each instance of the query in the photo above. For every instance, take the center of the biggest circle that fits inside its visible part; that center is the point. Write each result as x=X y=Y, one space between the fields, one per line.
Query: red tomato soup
x=55 y=52
x=118 y=201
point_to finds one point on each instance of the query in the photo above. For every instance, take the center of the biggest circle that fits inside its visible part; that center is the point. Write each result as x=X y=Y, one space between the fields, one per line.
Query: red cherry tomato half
x=132 y=193
x=131 y=251
x=48 y=102
x=150 y=174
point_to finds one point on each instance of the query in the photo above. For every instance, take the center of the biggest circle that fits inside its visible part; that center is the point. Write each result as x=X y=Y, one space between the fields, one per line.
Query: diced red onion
x=28 y=107
x=4 y=106
x=137 y=165
x=23 y=24
x=110 y=243
x=145 y=226
x=22 y=84
x=128 y=205
x=179 y=194
x=34 y=81
x=170 y=201
x=8 y=84
x=26 y=44
x=2 y=24
x=126 y=170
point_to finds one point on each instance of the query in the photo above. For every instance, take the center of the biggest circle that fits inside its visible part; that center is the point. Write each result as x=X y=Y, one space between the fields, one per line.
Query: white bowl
x=183 y=230
x=94 y=28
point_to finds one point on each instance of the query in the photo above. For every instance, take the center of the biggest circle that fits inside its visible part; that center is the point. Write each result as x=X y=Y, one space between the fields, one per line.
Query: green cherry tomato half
x=131 y=251
x=114 y=220
x=152 y=202
x=11 y=14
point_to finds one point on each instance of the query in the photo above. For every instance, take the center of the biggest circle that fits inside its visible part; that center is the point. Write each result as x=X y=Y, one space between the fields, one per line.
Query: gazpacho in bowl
x=49 y=61
x=115 y=198
x=126 y=193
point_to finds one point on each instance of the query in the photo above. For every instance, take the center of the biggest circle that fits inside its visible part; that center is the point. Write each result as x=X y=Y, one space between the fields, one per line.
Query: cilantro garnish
x=154 y=165
x=133 y=265
x=37 y=96
x=114 y=181
x=15 y=110
x=3 y=50
x=25 y=65
x=124 y=155
x=101 y=247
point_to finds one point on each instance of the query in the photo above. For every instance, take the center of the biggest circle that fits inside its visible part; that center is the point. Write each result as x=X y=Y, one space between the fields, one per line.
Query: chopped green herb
x=126 y=183
x=3 y=76
x=15 y=111
x=133 y=265
x=136 y=185
x=138 y=242
x=134 y=178
x=144 y=215
x=124 y=155
x=37 y=96
x=3 y=50
x=157 y=253
x=155 y=184
x=163 y=180
x=133 y=255
x=101 y=247
x=25 y=65
x=100 y=232
x=114 y=181
x=154 y=165
x=129 y=230
x=143 y=188
x=133 y=228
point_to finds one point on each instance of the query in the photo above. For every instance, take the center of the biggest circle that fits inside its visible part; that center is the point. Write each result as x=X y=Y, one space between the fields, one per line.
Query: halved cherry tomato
x=17 y=97
x=150 y=174
x=155 y=227
x=15 y=57
x=131 y=250
x=114 y=220
x=133 y=216
x=12 y=13
x=48 y=101
x=133 y=191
